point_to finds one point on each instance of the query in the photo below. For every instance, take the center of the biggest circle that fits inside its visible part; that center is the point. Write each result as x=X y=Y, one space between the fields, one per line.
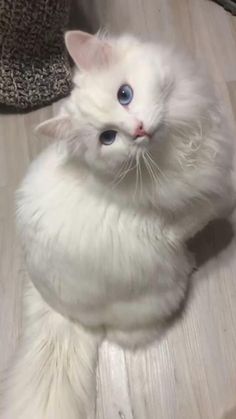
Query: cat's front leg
x=54 y=372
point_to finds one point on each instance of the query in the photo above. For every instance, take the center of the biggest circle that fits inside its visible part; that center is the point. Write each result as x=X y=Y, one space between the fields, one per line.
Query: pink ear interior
x=87 y=50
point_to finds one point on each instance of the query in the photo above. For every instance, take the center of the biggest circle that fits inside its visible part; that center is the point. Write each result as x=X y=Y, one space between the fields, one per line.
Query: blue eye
x=125 y=94
x=108 y=137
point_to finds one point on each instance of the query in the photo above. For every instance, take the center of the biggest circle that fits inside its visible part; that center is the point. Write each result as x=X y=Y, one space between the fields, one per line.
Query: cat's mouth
x=142 y=137
x=150 y=138
x=144 y=134
x=147 y=136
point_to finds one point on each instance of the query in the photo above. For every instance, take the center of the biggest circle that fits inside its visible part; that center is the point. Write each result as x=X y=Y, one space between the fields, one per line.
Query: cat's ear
x=87 y=51
x=55 y=128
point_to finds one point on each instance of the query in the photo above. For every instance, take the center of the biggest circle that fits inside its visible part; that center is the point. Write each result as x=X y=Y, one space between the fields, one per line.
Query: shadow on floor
x=211 y=241
x=206 y=245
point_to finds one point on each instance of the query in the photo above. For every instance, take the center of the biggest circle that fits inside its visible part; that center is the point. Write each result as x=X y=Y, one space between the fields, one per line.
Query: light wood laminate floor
x=191 y=373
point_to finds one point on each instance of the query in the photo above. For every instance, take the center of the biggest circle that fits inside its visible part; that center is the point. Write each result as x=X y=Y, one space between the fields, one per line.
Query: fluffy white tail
x=54 y=373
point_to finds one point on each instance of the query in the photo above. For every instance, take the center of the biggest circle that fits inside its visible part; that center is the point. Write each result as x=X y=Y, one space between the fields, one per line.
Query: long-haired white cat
x=141 y=162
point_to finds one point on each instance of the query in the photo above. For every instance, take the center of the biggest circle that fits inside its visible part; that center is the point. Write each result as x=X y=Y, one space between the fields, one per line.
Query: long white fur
x=53 y=373
x=104 y=236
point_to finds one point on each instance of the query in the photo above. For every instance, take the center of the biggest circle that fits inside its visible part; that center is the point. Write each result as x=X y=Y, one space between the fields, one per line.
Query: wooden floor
x=191 y=373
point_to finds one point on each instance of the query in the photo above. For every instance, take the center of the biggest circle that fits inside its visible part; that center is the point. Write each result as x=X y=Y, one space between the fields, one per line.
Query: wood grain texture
x=191 y=373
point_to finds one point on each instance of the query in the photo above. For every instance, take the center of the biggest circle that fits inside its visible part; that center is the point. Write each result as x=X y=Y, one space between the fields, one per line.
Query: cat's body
x=104 y=245
x=94 y=259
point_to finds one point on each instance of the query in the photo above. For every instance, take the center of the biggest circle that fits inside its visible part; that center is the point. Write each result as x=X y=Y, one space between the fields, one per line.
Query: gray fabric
x=34 y=66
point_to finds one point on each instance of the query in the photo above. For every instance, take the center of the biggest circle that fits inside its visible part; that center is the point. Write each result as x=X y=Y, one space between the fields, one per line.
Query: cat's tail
x=54 y=373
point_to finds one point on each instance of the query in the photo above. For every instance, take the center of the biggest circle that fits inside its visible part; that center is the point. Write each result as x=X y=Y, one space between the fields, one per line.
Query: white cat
x=141 y=162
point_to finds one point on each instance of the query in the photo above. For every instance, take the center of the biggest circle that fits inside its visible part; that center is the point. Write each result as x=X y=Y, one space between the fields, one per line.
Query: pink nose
x=140 y=131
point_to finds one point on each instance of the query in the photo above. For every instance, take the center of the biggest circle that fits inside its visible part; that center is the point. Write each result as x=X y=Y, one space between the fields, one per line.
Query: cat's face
x=126 y=95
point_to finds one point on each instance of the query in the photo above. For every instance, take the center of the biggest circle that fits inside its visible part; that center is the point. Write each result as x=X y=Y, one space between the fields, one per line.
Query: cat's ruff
x=104 y=214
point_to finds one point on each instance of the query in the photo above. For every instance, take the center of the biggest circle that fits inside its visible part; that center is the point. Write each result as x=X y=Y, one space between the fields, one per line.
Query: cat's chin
x=142 y=142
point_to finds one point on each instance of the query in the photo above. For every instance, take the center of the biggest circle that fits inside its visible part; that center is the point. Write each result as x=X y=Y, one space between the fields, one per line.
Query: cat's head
x=128 y=95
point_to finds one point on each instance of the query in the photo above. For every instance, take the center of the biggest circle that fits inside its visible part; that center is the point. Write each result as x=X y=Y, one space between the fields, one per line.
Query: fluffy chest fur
x=90 y=256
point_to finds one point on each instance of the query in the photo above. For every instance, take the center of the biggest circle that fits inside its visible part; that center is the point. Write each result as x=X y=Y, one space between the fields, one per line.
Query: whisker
x=130 y=167
x=140 y=172
x=156 y=165
x=121 y=170
x=137 y=175
x=152 y=174
x=146 y=166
